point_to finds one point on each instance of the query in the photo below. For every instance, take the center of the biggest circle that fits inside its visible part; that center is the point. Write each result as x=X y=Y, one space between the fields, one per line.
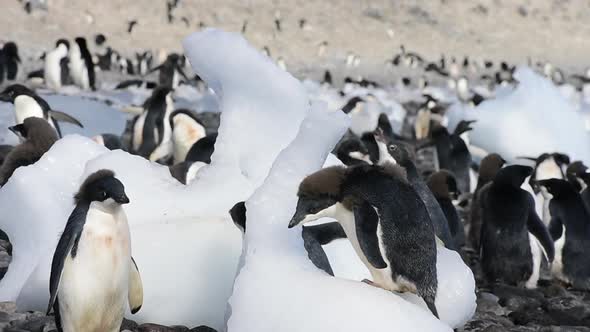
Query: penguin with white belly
x=186 y=131
x=384 y=219
x=152 y=134
x=93 y=276
x=28 y=104
x=570 y=229
x=56 y=69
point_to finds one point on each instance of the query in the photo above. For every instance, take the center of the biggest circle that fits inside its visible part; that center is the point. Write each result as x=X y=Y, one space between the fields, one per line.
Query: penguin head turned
x=238 y=215
x=103 y=188
x=11 y=50
x=317 y=193
x=63 y=42
x=512 y=176
x=443 y=185
x=558 y=188
x=490 y=165
x=36 y=131
x=12 y=91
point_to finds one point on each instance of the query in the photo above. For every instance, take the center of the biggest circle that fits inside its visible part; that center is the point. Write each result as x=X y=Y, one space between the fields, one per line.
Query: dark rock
x=564 y=329
x=554 y=290
x=128 y=324
x=568 y=311
x=33 y=324
x=161 y=328
x=534 y=316
x=488 y=302
x=202 y=328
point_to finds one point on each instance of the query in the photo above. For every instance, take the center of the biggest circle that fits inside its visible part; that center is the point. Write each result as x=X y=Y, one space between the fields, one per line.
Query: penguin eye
x=103 y=194
x=392 y=148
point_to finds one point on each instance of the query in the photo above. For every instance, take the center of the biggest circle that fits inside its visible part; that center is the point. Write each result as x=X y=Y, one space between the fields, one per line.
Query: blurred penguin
x=56 y=67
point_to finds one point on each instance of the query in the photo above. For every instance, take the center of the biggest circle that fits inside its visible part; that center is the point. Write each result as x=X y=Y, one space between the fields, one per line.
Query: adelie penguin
x=313 y=237
x=28 y=104
x=509 y=252
x=9 y=61
x=56 y=69
x=169 y=71
x=403 y=156
x=384 y=219
x=570 y=229
x=186 y=131
x=353 y=152
x=203 y=149
x=444 y=188
x=488 y=168
x=37 y=138
x=93 y=275
x=151 y=130
x=81 y=65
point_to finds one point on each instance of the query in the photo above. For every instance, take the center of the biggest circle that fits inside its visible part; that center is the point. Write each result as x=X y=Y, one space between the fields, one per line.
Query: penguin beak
x=17 y=130
x=297 y=218
x=122 y=199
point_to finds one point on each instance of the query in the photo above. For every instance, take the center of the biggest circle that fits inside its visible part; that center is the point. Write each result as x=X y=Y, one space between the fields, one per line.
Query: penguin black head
x=13 y=91
x=443 y=185
x=81 y=41
x=11 y=50
x=158 y=96
x=490 y=165
x=64 y=42
x=35 y=130
x=238 y=215
x=558 y=188
x=317 y=192
x=353 y=152
x=463 y=126
x=100 y=187
x=100 y=39
x=512 y=176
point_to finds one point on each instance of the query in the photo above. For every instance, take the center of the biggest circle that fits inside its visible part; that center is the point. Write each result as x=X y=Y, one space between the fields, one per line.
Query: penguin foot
x=369 y=282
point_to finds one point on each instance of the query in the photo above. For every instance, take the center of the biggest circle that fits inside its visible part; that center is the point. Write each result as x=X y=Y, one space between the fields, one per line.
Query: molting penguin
x=38 y=137
x=384 y=219
x=508 y=212
x=489 y=167
x=56 y=67
x=28 y=104
x=444 y=188
x=93 y=275
x=152 y=134
x=9 y=60
x=81 y=65
x=186 y=131
x=313 y=237
x=570 y=228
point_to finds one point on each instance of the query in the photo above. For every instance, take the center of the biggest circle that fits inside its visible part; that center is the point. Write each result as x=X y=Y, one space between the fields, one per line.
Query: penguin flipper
x=135 y=295
x=538 y=229
x=67 y=245
x=326 y=233
x=63 y=117
x=555 y=228
x=366 y=222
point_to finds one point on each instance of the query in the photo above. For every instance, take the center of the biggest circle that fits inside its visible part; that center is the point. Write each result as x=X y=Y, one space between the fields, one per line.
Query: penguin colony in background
x=399 y=196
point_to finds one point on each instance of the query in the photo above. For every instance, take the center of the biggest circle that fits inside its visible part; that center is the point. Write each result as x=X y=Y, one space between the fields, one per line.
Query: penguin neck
x=108 y=206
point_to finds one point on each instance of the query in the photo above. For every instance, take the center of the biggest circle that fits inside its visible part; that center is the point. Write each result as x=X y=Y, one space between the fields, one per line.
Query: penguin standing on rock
x=28 y=104
x=56 y=69
x=38 y=137
x=444 y=188
x=509 y=217
x=9 y=60
x=488 y=168
x=384 y=219
x=151 y=130
x=93 y=276
x=81 y=65
x=570 y=228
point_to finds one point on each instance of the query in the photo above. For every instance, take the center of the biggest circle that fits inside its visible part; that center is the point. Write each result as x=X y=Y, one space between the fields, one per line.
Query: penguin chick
x=38 y=138
x=93 y=275
x=384 y=219
x=489 y=167
x=509 y=216
x=444 y=188
x=570 y=228
x=313 y=237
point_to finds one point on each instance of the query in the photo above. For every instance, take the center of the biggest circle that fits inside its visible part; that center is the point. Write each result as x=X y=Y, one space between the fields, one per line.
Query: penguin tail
x=429 y=295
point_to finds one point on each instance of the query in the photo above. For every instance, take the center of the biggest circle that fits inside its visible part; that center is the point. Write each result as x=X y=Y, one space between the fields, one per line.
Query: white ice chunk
x=278 y=288
x=532 y=119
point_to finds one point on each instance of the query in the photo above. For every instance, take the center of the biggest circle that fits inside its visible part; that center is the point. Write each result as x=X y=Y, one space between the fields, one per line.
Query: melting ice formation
x=194 y=266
